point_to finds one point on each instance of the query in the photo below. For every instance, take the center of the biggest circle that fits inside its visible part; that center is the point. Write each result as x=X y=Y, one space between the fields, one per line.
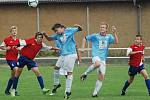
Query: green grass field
x=115 y=76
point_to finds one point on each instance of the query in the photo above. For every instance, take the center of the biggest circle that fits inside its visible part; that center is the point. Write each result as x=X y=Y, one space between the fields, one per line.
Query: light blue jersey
x=100 y=44
x=66 y=41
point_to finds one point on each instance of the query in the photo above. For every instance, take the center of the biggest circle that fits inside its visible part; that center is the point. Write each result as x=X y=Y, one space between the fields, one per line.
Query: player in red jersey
x=9 y=44
x=136 y=55
x=31 y=48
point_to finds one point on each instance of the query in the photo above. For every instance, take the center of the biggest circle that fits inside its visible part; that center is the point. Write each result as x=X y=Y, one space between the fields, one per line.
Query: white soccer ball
x=33 y=3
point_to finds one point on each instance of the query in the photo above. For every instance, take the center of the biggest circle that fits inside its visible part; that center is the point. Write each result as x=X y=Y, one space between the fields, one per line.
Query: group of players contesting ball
x=64 y=37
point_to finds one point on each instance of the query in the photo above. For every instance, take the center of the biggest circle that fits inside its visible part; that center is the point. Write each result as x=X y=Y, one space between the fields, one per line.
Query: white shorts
x=66 y=63
x=102 y=68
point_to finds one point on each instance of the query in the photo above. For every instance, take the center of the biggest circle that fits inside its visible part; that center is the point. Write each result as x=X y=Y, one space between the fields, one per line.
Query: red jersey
x=136 y=59
x=11 y=54
x=31 y=49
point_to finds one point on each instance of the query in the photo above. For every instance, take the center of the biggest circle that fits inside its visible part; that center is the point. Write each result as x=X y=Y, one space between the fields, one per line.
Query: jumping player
x=68 y=55
x=100 y=44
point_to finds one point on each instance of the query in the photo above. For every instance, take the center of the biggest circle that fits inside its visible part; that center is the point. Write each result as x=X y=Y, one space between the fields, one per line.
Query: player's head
x=138 y=39
x=39 y=37
x=58 y=28
x=13 y=30
x=103 y=28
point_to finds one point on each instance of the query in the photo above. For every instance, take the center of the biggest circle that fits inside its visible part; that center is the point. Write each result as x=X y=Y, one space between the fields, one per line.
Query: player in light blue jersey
x=100 y=44
x=68 y=55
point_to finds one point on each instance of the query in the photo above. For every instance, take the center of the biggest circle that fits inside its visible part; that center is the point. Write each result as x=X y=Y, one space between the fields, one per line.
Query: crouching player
x=28 y=53
x=136 y=54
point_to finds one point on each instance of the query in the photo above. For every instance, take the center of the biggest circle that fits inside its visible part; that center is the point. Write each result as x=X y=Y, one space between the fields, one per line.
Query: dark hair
x=57 y=25
x=37 y=34
x=138 y=35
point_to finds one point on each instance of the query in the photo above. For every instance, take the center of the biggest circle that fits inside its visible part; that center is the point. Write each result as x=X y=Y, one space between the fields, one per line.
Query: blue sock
x=41 y=82
x=126 y=85
x=9 y=84
x=148 y=84
x=15 y=82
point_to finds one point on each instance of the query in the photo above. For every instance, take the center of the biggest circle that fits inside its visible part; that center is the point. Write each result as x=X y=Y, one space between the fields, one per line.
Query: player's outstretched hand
x=79 y=27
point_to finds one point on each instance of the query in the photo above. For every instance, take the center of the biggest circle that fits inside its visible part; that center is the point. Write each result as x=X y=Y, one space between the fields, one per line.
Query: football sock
x=69 y=83
x=56 y=77
x=89 y=70
x=15 y=82
x=9 y=84
x=148 y=84
x=98 y=86
x=126 y=85
x=41 y=82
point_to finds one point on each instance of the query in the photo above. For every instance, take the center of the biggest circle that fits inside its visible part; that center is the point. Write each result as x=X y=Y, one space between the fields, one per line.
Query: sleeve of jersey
x=26 y=42
x=54 y=37
x=57 y=44
x=90 y=37
x=129 y=50
x=71 y=30
x=3 y=44
x=111 y=39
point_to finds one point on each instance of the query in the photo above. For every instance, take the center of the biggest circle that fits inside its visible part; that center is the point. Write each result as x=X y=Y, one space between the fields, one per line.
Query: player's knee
x=101 y=77
x=56 y=68
x=69 y=73
x=97 y=64
x=146 y=77
x=131 y=80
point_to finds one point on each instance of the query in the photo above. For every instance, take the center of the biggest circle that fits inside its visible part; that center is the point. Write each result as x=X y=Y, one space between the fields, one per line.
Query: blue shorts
x=12 y=64
x=22 y=61
x=134 y=70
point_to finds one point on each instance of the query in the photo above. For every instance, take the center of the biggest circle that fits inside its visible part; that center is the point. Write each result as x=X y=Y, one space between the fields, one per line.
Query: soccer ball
x=33 y=3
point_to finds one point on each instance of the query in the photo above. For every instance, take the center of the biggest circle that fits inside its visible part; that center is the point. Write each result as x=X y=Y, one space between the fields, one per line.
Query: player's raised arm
x=47 y=48
x=47 y=37
x=78 y=26
x=131 y=52
x=83 y=43
x=114 y=31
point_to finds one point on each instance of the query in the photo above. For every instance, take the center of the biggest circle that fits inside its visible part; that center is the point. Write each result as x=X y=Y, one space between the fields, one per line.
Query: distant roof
x=58 y=1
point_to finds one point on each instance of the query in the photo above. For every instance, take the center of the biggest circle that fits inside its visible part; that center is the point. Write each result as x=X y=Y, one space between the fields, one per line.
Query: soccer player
x=136 y=57
x=100 y=44
x=9 y=44
x=31 y=48
x=68 y=55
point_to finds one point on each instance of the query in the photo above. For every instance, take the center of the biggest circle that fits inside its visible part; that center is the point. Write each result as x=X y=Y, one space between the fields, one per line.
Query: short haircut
x=57 y=25
x=104 y=23
x=37 y=34
x=13 y=27
x=138 y=35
